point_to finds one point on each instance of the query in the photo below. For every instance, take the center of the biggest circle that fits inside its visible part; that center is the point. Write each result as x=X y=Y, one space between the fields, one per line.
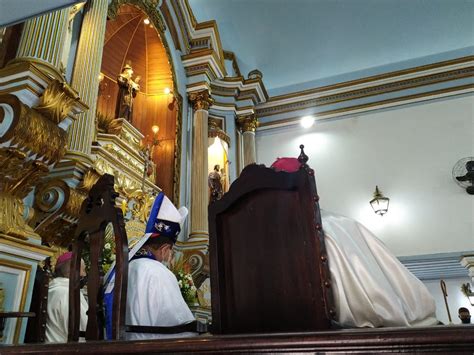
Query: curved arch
x=150 y=8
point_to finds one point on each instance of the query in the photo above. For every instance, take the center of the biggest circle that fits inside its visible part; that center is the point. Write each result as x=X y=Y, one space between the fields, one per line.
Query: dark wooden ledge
x=437 y=339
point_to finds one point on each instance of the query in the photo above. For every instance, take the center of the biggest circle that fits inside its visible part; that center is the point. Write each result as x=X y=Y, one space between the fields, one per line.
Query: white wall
x=456 y=299
x=409 y=152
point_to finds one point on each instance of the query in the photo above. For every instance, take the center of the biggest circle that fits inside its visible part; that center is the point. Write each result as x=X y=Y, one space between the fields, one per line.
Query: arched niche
x=129 y=39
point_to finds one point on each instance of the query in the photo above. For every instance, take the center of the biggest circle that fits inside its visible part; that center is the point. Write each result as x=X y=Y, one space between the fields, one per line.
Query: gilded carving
x=130 y=139
x=125 y=158
x=89 y=179
x=123 y=182
x=11 y=218
x=142 y=203
x=177 y=152
x=248 y=123
x=216 y=131
x=201 y=100
x=59 y=206
x=108 y=124
x=31 y=144
x=148 y=6
x=57 y=101
x=31 y=132
x=17 y=174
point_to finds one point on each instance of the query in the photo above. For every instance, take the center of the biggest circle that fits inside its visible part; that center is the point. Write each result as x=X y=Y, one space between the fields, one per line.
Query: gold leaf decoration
x=57 y=101
x=108 y=124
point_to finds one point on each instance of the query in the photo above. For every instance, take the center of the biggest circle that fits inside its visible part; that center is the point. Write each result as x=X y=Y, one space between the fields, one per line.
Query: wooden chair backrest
x=269 y=268
x=36 y=326
x=97 y=211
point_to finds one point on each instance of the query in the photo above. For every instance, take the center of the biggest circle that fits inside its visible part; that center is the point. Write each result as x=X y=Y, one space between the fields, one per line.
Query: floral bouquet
x=181 y=269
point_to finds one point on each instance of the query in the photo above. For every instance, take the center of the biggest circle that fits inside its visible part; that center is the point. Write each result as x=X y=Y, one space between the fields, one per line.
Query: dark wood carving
x=269 y=267
x=97 y=211
x=36 y=327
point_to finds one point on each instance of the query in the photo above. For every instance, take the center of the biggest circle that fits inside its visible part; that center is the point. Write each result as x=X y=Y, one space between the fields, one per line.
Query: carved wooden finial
x=303 y=158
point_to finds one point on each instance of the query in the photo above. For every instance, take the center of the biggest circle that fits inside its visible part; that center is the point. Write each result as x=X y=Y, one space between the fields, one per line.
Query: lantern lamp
x=379 y=203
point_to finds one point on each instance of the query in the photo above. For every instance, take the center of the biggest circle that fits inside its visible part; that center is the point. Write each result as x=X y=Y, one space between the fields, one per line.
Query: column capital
x=247 y=123
x=201 y=100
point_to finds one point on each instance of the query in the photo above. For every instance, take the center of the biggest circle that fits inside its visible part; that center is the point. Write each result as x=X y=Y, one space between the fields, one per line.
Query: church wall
x=409 y=152
x=455 y=299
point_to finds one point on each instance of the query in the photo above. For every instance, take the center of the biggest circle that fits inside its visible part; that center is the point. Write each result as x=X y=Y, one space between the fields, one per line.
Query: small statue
x=464 y=315
x=215 y=184
x=128 y=89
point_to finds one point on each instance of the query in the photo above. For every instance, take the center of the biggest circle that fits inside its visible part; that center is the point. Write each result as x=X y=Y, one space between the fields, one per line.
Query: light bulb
x=307 y=121
x=155 y=129
x=146 y=21
x=167 y=91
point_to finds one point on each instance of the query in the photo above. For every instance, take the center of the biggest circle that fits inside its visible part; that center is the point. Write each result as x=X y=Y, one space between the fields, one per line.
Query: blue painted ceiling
x=301 y=43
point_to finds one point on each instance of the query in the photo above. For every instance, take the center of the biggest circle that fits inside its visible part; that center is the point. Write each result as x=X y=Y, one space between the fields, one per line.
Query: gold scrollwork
x=201 y=100
x=248 y=123
x=148 y=6
x=57 y=101
x=89 y=179
x=216 y=131
x=123 y=182
x=31 y=132
x=59 y=207
x=18 y=175
x=107 y=124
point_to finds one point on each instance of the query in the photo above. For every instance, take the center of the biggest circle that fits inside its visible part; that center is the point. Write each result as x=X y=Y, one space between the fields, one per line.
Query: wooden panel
x=115 y=51
x=432 y=340
x=128 y=38
x=266 y=244
x=159 y=74
x=108 y=91
x=137 y=54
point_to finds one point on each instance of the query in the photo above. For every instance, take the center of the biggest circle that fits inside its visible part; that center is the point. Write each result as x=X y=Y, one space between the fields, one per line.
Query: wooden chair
x=97 y=211
x=269 y=267
x=36 y=326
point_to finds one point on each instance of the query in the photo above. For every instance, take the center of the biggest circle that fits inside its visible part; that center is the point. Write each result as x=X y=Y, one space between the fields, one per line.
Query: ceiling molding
x=370 y=87
x=376 y=105
x=405 y=73
x=436 y=266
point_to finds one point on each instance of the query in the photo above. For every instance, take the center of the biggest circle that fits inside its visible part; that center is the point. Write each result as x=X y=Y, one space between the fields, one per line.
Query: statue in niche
x=128 y=89
x=215 y=184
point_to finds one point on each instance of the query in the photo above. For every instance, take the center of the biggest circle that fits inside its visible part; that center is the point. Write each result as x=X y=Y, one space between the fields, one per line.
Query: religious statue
x=215 y=184
x=128 y=89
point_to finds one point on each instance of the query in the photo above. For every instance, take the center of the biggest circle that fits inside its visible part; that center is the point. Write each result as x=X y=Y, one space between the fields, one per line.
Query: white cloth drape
x=154 y=299
x=58 y=311
x=371 y=287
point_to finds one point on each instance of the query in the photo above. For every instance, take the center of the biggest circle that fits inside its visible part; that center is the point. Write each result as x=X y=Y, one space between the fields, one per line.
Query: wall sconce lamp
x=379 y=203
x=155 y=129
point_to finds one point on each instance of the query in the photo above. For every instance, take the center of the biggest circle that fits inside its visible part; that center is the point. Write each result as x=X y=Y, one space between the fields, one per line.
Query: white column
x=85 y=78
x=199 y=192
x=248 y=125
x=43 y=39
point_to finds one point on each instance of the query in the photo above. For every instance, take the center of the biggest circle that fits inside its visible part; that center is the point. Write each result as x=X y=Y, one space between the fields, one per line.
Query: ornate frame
x=150 y=7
